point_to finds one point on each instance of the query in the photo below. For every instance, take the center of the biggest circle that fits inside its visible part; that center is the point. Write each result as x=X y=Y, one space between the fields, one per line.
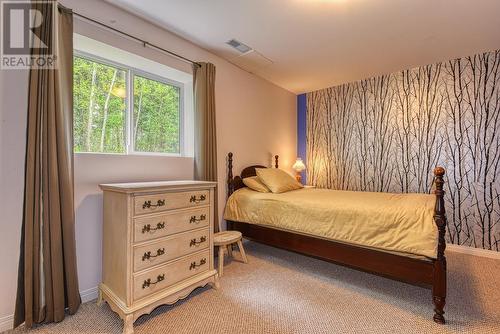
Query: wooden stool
x=226 y=239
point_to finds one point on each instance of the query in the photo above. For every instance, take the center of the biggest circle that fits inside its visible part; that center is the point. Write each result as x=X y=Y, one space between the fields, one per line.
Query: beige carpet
x=282 y=292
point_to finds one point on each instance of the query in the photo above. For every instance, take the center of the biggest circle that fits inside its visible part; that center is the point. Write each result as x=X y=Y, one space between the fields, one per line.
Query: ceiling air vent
x=239 y=46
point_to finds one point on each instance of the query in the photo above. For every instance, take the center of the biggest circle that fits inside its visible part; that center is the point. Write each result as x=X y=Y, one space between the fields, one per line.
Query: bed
x=398 y=236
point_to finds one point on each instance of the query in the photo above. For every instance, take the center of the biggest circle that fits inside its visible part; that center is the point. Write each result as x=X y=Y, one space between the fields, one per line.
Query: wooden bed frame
x=428 y=273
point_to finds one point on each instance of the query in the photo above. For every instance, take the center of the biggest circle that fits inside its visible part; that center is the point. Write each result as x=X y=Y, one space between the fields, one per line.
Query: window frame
x=130 y=73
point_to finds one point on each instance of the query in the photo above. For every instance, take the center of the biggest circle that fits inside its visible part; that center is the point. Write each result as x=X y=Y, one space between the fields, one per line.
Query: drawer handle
x=194 y=199
x=194 y=242
x=148 y=205
x=148 y=282
x=197 y=220
x=148 y=255
x=148 y=228
x=194 y=265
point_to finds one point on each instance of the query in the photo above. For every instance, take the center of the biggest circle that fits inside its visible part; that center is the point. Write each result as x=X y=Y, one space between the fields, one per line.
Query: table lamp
x=299 y=167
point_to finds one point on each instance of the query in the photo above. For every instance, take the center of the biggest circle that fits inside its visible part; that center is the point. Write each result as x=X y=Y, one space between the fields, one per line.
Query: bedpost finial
x=230 y=185
x=230 y=163
x=440 y=212
x=439 y=171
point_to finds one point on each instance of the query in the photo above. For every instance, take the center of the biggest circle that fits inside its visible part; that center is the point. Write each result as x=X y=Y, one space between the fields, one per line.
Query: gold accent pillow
x=254 y=183
x=277 y=180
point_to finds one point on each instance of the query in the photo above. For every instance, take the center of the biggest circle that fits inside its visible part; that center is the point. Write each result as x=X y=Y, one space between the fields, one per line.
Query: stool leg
x=229 y=250
x=221 y=260
x=242 y=251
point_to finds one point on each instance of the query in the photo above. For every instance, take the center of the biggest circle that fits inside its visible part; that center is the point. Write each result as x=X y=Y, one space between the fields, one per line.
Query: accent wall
x=389 y=132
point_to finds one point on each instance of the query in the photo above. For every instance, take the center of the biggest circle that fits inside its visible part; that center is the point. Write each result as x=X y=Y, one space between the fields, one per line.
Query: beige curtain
x=47 y=281
x=205 y=140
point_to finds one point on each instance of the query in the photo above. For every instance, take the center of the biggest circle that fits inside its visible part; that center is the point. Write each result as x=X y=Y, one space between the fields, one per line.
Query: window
x=156 y=116
x=120 y=109
x=99 y=107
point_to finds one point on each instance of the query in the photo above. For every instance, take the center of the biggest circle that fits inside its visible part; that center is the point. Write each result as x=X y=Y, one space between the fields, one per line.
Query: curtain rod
x=143 y=42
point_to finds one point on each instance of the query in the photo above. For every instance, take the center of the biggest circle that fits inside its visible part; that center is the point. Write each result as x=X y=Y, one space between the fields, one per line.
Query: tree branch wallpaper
x=387 y=134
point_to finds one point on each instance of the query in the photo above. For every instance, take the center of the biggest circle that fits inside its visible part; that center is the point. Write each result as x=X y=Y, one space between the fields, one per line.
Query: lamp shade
x=299 y=165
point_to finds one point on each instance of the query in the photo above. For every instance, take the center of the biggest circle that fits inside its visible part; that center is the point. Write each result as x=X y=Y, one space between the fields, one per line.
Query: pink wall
x=255 y=120
x=13 y=104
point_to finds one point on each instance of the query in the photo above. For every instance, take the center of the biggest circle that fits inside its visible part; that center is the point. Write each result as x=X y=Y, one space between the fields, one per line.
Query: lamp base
x=298 y=177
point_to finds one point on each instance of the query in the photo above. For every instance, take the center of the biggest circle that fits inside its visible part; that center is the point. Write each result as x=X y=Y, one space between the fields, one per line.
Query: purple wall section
x=301 y=132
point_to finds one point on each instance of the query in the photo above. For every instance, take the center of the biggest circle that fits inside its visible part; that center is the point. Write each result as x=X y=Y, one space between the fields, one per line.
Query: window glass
x=156 y=120
x=100 y=103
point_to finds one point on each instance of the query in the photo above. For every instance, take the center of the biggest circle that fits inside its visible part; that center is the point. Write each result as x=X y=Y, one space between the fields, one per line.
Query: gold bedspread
x=400 y=223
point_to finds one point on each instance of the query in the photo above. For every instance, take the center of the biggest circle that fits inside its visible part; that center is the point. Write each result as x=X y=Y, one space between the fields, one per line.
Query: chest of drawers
x=157 y=245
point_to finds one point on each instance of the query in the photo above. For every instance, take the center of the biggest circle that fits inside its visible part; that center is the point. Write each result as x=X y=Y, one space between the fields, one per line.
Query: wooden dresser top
x=136 y=187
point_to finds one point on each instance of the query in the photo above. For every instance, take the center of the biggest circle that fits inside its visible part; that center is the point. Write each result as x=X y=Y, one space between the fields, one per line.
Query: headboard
x=236 y=182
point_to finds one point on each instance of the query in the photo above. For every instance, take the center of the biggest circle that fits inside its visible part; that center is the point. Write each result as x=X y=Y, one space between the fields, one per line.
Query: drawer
x=157 y=279
x=170 y=248
x=153 y=227
x=167 y=201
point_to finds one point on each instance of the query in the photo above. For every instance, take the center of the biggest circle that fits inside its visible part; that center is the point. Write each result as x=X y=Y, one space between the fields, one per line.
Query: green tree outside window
x=100 y=111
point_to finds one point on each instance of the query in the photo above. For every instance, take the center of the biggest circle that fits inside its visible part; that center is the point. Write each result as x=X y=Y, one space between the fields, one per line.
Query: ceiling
x=305 y=45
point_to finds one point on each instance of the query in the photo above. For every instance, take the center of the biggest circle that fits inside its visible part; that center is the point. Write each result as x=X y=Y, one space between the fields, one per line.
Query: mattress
x=397 y=223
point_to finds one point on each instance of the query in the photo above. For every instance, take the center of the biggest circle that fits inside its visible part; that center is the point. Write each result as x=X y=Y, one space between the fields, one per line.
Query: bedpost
x=276 y=160
x=230 y=184
x=439 y=277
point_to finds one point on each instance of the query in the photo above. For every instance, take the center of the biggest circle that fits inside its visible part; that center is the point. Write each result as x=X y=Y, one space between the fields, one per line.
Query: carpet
x=280 y=292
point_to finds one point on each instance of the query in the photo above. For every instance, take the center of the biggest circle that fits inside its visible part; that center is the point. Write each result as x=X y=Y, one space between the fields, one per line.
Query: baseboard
x=6 y=323
x=89 y=294
x=473 y=251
